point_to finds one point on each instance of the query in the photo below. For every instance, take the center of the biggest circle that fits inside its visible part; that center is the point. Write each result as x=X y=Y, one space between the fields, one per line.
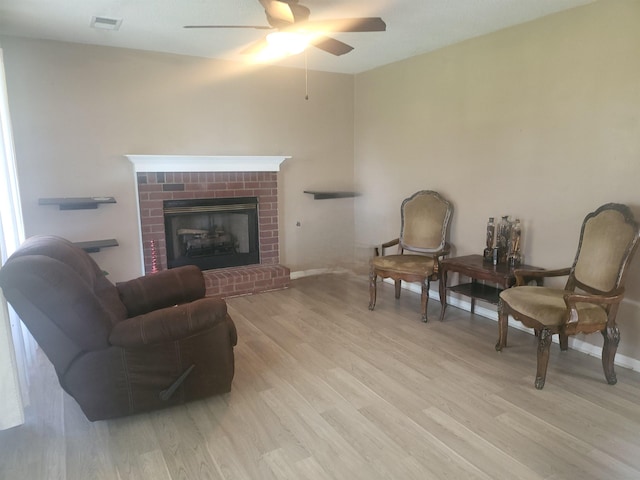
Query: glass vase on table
x=514 y=257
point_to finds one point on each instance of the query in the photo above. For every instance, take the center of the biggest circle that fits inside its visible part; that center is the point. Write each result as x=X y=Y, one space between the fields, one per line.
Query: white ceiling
x=413 y=26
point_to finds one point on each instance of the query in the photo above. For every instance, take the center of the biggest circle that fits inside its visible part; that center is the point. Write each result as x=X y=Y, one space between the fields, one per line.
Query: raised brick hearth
x=155 y=187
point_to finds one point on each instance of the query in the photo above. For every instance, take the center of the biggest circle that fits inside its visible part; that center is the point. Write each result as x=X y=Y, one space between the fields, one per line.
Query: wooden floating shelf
x=76 y=203
x=94 y=246
x=320 y=195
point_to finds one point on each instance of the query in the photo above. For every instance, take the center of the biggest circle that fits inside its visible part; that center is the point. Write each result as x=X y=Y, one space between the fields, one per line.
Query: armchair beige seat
x=145 y=344
x=425 y=219
x=591 y=296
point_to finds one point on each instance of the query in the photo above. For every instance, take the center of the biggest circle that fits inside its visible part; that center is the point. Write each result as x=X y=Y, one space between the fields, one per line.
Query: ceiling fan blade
x=279 y=11
x=363 y=24
x=257 y=27
x=331 y=45
x=300 y=12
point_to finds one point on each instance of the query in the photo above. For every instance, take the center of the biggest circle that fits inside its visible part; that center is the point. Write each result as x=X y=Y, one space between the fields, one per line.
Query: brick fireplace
x=160 y=179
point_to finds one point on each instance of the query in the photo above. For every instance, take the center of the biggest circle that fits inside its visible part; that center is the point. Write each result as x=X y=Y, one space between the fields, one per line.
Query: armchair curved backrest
x=425 y=222
x=608 y=239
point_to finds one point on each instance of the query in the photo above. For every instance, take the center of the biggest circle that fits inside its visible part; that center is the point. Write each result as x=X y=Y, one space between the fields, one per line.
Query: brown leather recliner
x=144 y=344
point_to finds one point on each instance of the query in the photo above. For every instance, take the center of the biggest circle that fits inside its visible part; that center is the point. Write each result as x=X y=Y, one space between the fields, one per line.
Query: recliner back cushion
x=63 y=296
x=62 y=250
x=81 y=263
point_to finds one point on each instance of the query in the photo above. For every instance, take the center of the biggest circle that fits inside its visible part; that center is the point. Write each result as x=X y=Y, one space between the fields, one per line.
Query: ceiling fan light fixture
x=289 y=43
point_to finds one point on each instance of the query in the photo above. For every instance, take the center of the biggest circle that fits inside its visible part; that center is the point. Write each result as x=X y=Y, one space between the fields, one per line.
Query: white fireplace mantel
x=206 y=163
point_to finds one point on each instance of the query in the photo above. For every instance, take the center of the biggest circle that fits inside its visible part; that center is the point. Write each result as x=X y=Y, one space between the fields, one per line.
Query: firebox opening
x=212 y=233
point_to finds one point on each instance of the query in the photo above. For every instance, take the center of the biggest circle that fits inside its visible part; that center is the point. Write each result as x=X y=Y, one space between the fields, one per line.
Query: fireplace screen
x=212 y=233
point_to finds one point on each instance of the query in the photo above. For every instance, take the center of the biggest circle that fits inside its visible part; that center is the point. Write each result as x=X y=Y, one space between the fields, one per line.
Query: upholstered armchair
x=144 y=344
x=425 y=219
x=593 y=291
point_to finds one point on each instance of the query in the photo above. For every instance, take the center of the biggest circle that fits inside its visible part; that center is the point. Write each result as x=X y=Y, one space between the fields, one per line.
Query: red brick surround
x=155 y=187
x=228 y=282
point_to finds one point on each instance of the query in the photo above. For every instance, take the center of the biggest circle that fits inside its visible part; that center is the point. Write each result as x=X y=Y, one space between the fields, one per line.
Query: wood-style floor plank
x=326 y=389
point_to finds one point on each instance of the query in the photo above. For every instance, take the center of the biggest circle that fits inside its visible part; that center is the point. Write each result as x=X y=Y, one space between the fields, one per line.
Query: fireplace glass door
x=212 y=233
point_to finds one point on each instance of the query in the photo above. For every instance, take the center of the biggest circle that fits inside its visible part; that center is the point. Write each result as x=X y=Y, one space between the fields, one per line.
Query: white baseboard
x=574 y=343
x=316 y=271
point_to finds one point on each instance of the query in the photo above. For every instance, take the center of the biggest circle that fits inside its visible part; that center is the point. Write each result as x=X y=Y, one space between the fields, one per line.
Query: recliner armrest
x=162 y=289
x=169 y=324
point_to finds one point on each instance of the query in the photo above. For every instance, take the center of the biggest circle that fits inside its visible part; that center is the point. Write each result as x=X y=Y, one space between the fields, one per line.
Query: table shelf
x=479 y=291
x=474 y=267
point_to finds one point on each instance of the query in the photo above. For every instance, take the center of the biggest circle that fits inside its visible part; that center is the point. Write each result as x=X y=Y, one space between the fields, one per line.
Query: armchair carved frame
x=425 y=219
x=592 y=294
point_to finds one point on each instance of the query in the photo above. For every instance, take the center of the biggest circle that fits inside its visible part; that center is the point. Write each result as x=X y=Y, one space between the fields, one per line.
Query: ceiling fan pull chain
x=306 y=77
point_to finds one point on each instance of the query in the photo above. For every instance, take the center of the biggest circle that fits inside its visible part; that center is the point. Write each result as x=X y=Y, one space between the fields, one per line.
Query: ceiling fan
x=292 y=25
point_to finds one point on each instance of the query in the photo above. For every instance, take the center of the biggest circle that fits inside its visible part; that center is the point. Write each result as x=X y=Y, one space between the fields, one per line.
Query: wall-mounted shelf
x=83 y=203
x=322 y=195
x=94 y=246
x=76 y=203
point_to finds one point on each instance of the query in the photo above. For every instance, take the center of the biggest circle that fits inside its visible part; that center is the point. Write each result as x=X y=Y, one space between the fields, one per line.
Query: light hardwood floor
x=326 y=389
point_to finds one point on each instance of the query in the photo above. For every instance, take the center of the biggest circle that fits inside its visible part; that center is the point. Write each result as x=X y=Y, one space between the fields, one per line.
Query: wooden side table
x=474 y=267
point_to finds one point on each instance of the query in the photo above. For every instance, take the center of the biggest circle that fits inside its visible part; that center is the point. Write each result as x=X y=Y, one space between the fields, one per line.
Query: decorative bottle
x=515 y=244
x=491 y=234
x=502 y=241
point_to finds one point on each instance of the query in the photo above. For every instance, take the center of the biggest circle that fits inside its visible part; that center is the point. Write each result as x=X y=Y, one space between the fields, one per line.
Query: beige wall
x=540 y=122
x=78 y=109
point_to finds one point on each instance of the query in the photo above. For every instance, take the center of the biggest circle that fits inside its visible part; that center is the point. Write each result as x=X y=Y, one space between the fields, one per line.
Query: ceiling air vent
x=105 y=23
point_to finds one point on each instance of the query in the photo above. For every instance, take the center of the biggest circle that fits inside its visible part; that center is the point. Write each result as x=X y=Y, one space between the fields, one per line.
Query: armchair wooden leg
x=398 y=288
x=503 y=325
x=372 y=288
x=424 y=298
x=564 y=341
x=611 y=340
x=544 y=342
